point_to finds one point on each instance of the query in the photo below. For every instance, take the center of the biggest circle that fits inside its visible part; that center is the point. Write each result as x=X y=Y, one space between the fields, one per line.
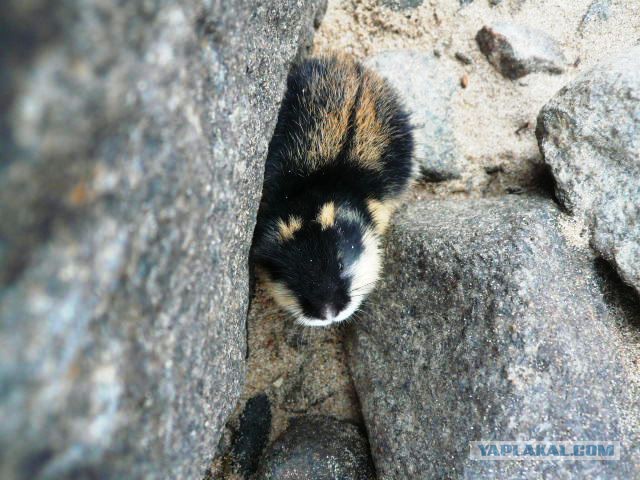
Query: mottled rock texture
x=488 y=326
x=598 y=11
x=402 y=4
x=517 y=50
x=589 y=134
x=132 y=137
x=318 y=447
x=425 y=86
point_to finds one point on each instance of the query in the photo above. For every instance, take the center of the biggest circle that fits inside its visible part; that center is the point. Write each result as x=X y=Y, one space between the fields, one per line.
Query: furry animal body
x=339 y=162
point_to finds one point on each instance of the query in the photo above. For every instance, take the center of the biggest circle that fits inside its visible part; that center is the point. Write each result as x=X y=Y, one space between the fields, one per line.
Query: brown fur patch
x=327 y=215
x=372 y=133
x=331 y=99
x=286 y=230
x=381 y=213
x=284 y=297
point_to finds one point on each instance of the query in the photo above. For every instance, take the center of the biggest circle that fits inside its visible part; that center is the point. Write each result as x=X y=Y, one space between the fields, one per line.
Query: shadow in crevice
x=545 y=184
x=618 y=295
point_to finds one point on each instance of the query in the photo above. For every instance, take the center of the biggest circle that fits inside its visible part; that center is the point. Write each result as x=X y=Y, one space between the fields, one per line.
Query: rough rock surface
x=133 y=138
x=425 y=86
x=599 y=10
x=318 y=447
x=516 y=50
x=487 y=326
x=402 y=4
x=589 y=134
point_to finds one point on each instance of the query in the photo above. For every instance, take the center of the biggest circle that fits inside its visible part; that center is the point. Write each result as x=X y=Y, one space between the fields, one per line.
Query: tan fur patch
x=381 y=213
x=331 y=98
x=284 y=297
x=327 y=215
x=329 y=136
x=372 y=134
x=287 y=229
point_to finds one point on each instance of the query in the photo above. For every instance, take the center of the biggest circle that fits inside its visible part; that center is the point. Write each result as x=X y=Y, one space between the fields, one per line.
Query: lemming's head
x=319 y=268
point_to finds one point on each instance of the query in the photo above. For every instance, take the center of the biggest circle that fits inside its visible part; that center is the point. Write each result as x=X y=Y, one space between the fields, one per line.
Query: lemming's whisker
x=362 y=290
x=365 y=309
x=364 y=286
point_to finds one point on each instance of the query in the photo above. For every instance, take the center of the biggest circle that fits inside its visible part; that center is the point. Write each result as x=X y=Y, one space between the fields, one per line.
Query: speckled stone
x=517 y=50
x=589 y=134
x=598 y=11
x=402 y=4
x=133 y=136
x=487 y=325
x=318 y=447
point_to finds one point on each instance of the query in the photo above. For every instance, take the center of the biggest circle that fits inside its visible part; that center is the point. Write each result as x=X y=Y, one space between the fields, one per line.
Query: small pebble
x=523 y=127
x=492 y=169
x=517 y=50
x=463 y=58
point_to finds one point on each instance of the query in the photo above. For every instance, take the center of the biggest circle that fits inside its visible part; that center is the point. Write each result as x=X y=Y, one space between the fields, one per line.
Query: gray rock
x=463 y=58
x=516 y=50
x=425 y=88
x=402 y=4
x=487 y=326
x=133 y=136
x=317 y=447
x=307 y=29
x=599 y=10
x=589 y=135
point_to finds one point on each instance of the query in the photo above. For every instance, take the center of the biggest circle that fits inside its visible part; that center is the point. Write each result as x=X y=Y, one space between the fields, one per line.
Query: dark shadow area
x=618 y=294
x=252 y=435
x=545 y=184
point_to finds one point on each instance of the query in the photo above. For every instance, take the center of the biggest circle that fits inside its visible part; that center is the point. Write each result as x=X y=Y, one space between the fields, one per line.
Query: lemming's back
x=339 y=121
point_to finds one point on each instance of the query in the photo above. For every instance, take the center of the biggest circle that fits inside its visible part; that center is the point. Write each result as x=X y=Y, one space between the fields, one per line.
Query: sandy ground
x=304 y=370
x=494 y=117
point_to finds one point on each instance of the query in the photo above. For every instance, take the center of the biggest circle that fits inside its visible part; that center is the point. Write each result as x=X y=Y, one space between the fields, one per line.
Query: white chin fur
x=313 y=322
x=343 y=315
